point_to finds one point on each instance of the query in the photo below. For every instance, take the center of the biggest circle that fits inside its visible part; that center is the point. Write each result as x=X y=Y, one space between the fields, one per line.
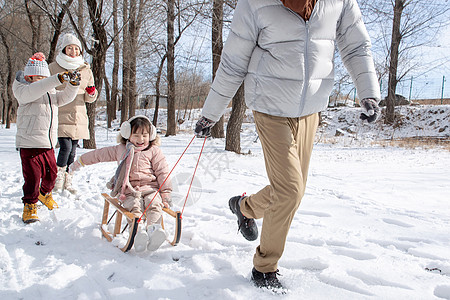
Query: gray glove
x=371 y=110
x=203 y=127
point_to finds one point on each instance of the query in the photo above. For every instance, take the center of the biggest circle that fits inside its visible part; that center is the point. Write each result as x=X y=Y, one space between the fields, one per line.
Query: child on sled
x=142 y=171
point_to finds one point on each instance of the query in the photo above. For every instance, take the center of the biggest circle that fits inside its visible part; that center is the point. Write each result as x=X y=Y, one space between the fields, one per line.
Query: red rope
x=193 y=175
x=140 y=218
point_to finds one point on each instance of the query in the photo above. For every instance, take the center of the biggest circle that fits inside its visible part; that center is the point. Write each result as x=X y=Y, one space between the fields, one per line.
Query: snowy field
x=374 y=224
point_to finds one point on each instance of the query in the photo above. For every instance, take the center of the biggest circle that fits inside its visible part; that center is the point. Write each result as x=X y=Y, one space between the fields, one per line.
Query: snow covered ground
x=374 y=224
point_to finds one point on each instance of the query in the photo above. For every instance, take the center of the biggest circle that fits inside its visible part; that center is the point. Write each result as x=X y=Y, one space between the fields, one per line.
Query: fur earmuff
x=125 y=128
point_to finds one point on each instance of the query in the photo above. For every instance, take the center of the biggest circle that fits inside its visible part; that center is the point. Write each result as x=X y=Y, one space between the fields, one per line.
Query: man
x=284 y=51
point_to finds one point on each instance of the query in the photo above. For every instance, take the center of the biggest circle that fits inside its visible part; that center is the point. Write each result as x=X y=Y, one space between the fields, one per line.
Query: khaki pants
x=138 y=205
x=287 y=145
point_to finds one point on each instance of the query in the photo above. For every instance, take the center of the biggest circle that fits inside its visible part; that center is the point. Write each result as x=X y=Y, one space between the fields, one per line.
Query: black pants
x=67 y=151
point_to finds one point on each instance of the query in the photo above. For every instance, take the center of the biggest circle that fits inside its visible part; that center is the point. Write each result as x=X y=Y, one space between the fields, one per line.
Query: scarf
x=69 y=63
x=303 y=7
x=121 y=179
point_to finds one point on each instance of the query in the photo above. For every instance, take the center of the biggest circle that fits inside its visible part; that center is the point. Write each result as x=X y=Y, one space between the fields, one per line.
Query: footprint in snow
x=343 y=285
x=389 y=244
x=358 y=255
x=314 y=213
x=442 y=291
x=376 y=281
x=397 y=222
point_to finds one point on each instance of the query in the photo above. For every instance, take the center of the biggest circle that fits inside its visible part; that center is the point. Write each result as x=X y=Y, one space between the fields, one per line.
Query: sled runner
x=133 y=222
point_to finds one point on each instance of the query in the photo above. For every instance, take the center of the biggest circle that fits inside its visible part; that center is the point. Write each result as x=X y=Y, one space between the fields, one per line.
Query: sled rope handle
x=140 y=218
x=193 y=175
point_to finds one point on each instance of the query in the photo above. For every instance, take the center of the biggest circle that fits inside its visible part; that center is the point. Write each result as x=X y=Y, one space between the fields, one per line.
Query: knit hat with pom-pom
x=37 y=65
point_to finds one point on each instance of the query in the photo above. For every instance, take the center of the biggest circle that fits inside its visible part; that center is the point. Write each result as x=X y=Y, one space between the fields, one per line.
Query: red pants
x=39 y=169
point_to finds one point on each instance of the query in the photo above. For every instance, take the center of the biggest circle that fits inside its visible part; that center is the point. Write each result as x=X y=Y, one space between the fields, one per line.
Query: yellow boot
x=30 y=213
x=47 y=200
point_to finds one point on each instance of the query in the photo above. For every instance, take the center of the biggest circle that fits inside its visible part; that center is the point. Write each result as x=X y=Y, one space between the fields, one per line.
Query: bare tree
x=35 y=24
x=98 y=53
x=56 y=19
x=136 y=18
x=393 y=63
x=217 y=46
x=180 y=15
x=403 y=27
x=171 y=123
x=158 y=89
x=80 y=15
x=233 y=140
x=112 y=101
x=11 y=102
x=125 y=102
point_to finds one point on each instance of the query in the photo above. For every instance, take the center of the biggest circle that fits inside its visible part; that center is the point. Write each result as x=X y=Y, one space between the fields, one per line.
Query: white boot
x=156 y=236
x=140 y=241
x=68 y=184
x=60 y=178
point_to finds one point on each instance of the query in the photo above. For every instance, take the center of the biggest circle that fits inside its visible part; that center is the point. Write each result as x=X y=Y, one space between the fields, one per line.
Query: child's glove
x=166 y=199
x=203 y=127
x=370 y=108
x=73 y=78
x=90 y=90
x=76 y=165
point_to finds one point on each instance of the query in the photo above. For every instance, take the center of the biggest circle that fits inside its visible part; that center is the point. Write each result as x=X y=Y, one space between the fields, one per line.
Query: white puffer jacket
x=287 y=63
x=37 y=115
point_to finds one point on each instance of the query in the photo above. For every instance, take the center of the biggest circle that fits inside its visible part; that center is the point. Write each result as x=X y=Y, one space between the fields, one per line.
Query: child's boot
x=156 y=236
x=68 y=183
x=60 y=178
x=30 y=213
x=140 y=241
x=47 y=200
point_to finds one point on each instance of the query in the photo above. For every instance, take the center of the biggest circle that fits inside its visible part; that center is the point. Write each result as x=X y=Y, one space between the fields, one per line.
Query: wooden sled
x=121 y=212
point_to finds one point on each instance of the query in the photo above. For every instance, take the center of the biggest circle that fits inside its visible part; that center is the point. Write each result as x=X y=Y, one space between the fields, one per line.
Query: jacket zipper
x=305 y=64
x=51 y=121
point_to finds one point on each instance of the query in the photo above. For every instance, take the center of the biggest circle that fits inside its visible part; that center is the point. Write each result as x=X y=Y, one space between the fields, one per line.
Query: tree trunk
x=393 y=64
x=136 y=17
x=217 y=46
x=11 y=103
x=233 y=140
x=171 y=123
x=157 y=89
x=124 y=105
x=132 y=35
x=57 y=22
x=4 y=101
x=34 y=27
x=98 y=64
x=80 y=14
x=111 y=105
x=108 y=101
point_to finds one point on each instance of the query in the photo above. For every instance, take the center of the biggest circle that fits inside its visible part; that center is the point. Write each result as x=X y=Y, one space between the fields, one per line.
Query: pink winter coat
x=148 y=170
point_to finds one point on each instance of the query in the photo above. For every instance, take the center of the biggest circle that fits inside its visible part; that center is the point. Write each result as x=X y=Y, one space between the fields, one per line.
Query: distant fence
x=431 y=101
x=422 y=88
